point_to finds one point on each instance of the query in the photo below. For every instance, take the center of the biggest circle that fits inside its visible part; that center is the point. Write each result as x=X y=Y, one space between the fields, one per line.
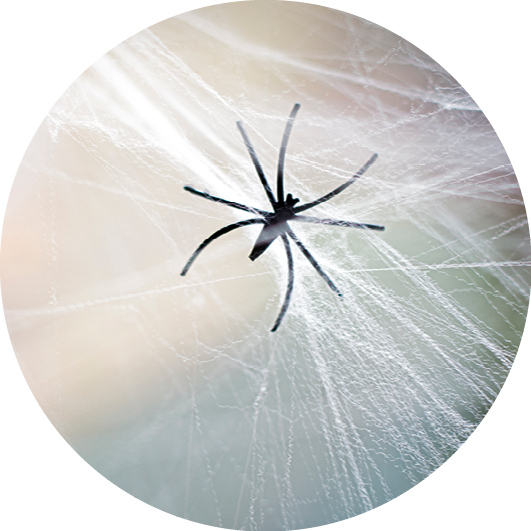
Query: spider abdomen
x=267 y=236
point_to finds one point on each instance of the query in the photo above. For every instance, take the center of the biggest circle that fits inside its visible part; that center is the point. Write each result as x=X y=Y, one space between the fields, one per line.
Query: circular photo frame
x=343 y=363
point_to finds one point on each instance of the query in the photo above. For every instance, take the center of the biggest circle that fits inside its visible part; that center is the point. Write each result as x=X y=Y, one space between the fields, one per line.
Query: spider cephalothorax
x=275 y=223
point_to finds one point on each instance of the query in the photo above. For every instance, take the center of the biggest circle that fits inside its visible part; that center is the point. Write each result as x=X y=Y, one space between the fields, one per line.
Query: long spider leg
x=313 y=261
x=338 y=223
x=232 y=204
x=289 y=289
x=257 y=164
x=282 y=154
x=339 y=189
x=217 y=234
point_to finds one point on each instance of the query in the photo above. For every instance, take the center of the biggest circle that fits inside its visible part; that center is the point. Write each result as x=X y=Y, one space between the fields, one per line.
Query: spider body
x=275 y=223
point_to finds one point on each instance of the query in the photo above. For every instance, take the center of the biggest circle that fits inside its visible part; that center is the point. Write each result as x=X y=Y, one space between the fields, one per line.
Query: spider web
x=174 y=388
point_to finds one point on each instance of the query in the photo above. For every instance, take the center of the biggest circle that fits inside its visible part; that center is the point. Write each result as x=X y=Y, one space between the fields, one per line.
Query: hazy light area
x=173 y=387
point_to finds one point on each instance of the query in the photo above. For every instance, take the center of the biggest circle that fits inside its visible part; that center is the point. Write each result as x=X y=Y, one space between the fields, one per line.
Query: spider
x=275 y=223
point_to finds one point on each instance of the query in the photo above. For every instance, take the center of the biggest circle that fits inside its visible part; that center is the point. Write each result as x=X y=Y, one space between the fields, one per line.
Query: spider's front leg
x=282 y=153
x=232 y=204
x=216 y=235
x=256 y=163
x=338 y=223
x=339 y=189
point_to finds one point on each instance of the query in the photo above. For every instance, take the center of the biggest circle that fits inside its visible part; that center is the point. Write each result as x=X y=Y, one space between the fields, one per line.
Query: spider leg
x=216 y=235
x=313 y=261
x=232 y=204
x=338 y=223
x=257 y=164
x=282 y=154
x=339 y=189
x=287 y=298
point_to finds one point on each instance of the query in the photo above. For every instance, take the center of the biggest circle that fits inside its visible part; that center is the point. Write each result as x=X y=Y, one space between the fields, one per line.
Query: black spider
x=284 y=210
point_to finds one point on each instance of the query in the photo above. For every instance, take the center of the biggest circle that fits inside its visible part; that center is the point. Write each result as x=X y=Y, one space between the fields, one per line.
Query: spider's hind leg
x=314 y=263
x=291 y=275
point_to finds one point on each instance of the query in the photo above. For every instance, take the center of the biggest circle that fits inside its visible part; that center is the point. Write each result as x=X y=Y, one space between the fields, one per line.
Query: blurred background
x=173 y=388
